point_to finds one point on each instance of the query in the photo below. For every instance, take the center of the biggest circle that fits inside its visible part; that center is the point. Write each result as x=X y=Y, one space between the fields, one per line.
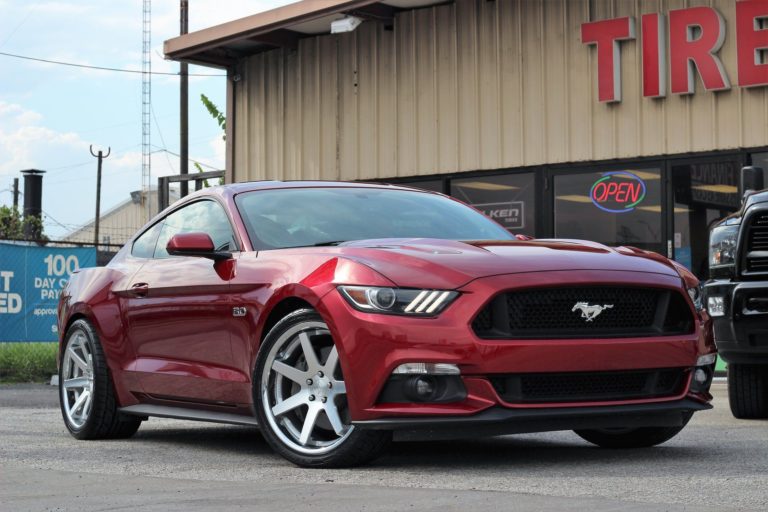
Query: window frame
x=235 y=234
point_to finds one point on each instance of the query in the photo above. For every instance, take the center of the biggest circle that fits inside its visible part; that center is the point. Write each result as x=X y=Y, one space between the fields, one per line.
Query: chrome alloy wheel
x=303 y=391
x=77 y=380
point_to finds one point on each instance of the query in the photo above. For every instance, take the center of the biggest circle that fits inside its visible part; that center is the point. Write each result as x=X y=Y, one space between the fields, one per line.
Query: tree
x=222 y=122
x=14 y=227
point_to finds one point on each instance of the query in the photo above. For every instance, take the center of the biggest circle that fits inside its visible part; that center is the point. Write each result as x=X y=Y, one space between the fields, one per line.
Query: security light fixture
x=346 y=24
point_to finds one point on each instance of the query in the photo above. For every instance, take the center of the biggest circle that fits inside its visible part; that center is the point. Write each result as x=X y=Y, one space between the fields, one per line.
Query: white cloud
x=25 y=143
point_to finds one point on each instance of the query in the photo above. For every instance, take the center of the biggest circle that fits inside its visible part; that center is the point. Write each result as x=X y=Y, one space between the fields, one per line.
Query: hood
x=447 y=264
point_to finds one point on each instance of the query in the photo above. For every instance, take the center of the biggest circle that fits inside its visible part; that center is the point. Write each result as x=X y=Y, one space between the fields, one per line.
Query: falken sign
x=691 y=39
x=31 y=279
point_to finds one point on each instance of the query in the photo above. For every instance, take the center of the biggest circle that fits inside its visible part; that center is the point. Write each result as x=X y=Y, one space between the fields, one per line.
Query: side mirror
x=751 y=180
x=195 y=244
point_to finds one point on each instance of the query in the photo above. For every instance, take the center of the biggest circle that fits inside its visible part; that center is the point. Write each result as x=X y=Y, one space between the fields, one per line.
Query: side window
x=200 y=217
x=144 y=246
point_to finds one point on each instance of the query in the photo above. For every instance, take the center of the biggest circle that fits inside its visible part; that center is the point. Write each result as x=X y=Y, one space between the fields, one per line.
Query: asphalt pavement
x=716 y=463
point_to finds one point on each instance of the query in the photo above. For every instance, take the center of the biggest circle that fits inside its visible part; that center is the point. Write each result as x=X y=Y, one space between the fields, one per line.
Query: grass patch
x=27 y=362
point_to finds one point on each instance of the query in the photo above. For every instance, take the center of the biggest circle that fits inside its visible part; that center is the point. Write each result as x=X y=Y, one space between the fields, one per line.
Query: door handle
x=139 y=290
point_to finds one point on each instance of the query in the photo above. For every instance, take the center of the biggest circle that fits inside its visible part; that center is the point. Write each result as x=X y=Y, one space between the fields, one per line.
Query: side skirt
x=180 y=413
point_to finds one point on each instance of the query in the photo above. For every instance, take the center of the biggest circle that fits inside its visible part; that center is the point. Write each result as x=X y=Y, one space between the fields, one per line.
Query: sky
x=50 y=114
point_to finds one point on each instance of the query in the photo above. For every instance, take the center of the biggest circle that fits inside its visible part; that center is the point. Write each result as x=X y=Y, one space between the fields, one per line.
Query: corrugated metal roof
x=222 y=45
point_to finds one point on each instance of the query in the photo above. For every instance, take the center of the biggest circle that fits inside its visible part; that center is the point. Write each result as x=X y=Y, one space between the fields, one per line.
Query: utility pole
x=184 y=106
x=101 y=156
x=15 y=193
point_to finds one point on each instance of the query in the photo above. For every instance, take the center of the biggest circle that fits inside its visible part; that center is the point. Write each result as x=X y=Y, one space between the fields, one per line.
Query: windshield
x=301 y=217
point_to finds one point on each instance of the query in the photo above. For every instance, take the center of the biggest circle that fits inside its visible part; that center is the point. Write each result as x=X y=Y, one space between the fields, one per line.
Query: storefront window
x=621 y=207
x=509 y=199
x=704 y=193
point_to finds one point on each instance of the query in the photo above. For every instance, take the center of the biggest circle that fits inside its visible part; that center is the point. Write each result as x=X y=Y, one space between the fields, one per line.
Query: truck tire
x=748 y=390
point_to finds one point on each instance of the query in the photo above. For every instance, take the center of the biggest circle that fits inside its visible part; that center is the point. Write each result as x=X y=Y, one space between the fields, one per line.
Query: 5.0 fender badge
x=590 y=312
x=239 y=311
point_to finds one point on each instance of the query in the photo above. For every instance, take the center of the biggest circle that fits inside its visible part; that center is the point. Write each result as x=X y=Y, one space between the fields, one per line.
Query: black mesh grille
x=592 y=386
x=584 y=312
x=757 y=244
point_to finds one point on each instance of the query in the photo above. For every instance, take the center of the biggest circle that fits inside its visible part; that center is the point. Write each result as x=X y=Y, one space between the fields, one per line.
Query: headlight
x=696 y=296
x=397 y=301
x=722 y=246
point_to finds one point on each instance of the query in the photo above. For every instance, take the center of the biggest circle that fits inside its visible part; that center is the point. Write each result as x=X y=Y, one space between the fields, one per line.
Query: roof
x=222 y=45
x=251 y=186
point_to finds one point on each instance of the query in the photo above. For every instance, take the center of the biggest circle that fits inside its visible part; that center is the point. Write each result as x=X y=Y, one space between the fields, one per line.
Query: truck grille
x=757 y=244
x=553 y=313
x=590 y=386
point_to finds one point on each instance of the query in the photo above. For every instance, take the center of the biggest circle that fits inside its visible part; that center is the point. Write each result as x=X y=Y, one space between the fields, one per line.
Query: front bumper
x=371 y=346
x=741 y=334
x=502 y=421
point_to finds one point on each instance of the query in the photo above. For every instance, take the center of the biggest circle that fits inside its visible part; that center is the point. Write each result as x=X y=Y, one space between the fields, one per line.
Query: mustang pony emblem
x=590 y=312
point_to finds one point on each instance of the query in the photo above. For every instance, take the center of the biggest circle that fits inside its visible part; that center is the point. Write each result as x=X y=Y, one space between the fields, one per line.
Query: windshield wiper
x=332 y=242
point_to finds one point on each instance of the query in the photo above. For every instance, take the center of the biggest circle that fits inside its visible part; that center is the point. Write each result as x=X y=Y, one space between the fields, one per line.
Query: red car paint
x=167 y=328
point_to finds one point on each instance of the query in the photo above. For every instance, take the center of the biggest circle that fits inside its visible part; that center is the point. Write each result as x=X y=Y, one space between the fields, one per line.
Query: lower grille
x=590 y=386
x=584 y=312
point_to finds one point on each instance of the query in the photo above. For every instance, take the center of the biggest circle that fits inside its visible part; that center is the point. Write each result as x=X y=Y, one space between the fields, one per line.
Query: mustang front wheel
x=300 y=397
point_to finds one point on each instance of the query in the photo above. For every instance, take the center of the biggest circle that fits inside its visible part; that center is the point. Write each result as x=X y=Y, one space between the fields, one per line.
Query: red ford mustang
x=338 y=315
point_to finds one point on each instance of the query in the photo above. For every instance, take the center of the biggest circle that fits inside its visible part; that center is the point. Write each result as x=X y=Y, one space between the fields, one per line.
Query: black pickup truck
x=737 y=297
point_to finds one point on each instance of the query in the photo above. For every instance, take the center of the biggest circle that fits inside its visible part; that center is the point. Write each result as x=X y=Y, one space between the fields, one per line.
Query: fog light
x=716 y=306
x=700 y=376
x=424 y=386
x=421 y=389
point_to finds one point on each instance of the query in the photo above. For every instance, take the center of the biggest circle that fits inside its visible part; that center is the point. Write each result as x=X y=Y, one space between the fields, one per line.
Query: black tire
x=104 y=421
x=748 y=390
x=643 y=437
x=354 y=448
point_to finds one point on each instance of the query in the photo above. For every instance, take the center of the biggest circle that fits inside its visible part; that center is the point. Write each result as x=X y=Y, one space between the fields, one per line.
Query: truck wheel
x=88 y=402
x=748 y=390
x=642 y=437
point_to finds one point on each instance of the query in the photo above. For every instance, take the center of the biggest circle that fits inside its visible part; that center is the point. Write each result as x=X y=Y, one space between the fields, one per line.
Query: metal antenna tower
x=146 y=106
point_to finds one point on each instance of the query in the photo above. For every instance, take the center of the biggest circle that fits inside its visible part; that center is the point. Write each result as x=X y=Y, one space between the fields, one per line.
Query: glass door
x=704 y=191
x=615 y=206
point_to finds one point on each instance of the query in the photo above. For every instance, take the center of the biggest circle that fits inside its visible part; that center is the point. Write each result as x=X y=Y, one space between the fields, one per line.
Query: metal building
x=622 y=121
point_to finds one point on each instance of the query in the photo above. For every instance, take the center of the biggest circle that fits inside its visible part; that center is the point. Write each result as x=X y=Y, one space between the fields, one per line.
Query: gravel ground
x=716 y=463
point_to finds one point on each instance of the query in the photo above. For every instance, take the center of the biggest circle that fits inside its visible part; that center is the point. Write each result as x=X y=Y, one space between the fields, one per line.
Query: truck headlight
x=722 y=246
x=398 y=301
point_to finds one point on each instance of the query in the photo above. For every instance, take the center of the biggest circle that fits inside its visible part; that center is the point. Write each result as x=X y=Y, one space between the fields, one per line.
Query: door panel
x=178 y=328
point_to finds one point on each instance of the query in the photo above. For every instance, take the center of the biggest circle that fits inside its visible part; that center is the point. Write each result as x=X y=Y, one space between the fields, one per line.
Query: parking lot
x=716 y=463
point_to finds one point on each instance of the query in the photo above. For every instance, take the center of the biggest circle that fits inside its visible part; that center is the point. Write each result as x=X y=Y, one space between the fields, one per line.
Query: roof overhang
x=223 y=45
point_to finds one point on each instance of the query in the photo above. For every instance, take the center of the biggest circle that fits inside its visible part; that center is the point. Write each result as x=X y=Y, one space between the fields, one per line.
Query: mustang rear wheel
x=87 y=400
x=300 y=397
x=642 y=437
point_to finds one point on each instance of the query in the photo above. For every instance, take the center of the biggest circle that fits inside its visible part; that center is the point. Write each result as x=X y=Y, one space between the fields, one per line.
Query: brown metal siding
x=473 y=85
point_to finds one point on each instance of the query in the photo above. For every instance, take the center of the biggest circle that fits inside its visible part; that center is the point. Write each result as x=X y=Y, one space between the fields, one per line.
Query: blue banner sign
x=31 y=279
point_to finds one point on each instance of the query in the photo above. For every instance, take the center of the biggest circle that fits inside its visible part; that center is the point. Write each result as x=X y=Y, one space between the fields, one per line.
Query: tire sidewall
x=99 y=377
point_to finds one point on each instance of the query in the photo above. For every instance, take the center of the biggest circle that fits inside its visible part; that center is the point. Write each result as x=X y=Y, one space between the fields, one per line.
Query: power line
x=161 y=149
x=100 y=68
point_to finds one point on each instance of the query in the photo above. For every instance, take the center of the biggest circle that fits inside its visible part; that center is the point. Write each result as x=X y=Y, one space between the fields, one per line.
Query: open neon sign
x=618 y=192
